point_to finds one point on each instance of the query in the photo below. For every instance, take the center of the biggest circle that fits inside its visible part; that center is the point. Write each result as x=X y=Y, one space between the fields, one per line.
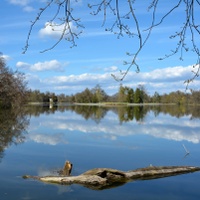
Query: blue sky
x=98 y=54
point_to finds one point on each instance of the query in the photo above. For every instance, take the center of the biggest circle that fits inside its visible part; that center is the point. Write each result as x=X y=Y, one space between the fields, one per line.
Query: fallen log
x=104 y=178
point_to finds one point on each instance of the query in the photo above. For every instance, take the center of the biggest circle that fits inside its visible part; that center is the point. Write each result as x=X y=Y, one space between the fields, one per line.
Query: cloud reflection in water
x=55 y=128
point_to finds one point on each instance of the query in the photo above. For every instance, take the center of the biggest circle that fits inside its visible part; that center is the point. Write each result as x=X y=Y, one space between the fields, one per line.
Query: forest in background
x=125 y=94
x=15 y=93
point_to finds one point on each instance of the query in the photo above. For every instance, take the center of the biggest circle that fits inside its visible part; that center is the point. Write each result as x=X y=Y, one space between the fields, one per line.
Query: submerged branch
x=105 y=178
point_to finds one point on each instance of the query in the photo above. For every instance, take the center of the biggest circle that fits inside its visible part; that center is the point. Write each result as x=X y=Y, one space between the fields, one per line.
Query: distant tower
x=50 y=102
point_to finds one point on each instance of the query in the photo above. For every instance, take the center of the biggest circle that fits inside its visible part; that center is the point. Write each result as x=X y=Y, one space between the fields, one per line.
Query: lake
x=38 y=140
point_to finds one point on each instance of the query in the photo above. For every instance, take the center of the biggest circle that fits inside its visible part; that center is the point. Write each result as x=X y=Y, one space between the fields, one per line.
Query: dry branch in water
x=105 y=178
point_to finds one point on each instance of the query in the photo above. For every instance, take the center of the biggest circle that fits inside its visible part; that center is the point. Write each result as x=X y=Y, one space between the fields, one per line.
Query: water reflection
x=125 y=113
x=124 y=138
x=103 y=121
x=13 y=125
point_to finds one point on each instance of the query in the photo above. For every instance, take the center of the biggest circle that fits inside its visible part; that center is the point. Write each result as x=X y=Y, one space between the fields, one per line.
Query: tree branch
x=33 y=24
x=120 y=26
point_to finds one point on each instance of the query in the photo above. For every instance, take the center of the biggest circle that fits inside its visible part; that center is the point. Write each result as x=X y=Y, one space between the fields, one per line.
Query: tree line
x=14 y=93
x=124 y=95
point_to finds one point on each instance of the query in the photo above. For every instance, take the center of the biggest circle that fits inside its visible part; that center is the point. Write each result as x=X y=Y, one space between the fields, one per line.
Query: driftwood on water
x=104 y=178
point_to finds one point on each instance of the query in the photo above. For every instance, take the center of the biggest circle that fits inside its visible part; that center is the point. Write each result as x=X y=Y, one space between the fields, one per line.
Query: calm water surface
x=117 y=138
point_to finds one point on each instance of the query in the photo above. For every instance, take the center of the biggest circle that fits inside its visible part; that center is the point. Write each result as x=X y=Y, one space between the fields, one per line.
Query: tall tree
x=130 y=95
x=121 y=94
x=156 y=98
x=138 y=96
x=99 y=94
x=12 y=86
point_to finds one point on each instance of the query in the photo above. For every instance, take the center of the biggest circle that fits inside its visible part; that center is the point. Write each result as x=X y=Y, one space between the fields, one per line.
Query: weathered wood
x=104 y=178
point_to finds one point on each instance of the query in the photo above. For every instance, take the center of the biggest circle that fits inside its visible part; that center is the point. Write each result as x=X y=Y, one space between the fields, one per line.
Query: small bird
x=67 y=168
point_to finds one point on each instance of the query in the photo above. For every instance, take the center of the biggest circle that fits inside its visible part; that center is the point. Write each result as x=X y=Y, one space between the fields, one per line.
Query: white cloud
x=54 y=30
x=160 y=80
x=77 y=83
x=172 y=73
x=23 y=3
x=5 y=57
x=20 y=2
x=47 y=65
x=48 y=138
x=111 y=69
x=77 y=79
x=23 y=65
x=28 y=9
x=52 y=65
x=164 y=80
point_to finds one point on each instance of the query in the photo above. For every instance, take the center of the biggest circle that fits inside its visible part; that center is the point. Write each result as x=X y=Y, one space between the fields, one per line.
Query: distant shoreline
x=100 y=104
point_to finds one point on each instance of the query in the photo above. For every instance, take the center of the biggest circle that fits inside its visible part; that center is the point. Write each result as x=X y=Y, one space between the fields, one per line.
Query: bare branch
x=167 y=14
x=33 y=24
x=186 y=35
x=195 y=74
x=141 y=42
x=66 y=24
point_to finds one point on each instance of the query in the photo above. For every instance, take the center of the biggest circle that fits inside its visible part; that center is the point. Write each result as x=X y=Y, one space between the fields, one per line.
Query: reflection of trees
x=88 y=112
x=130 y=113
x=36 y=110
x=13 y=124
x=177 y=110
x=93 y=112
x=125 y=113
